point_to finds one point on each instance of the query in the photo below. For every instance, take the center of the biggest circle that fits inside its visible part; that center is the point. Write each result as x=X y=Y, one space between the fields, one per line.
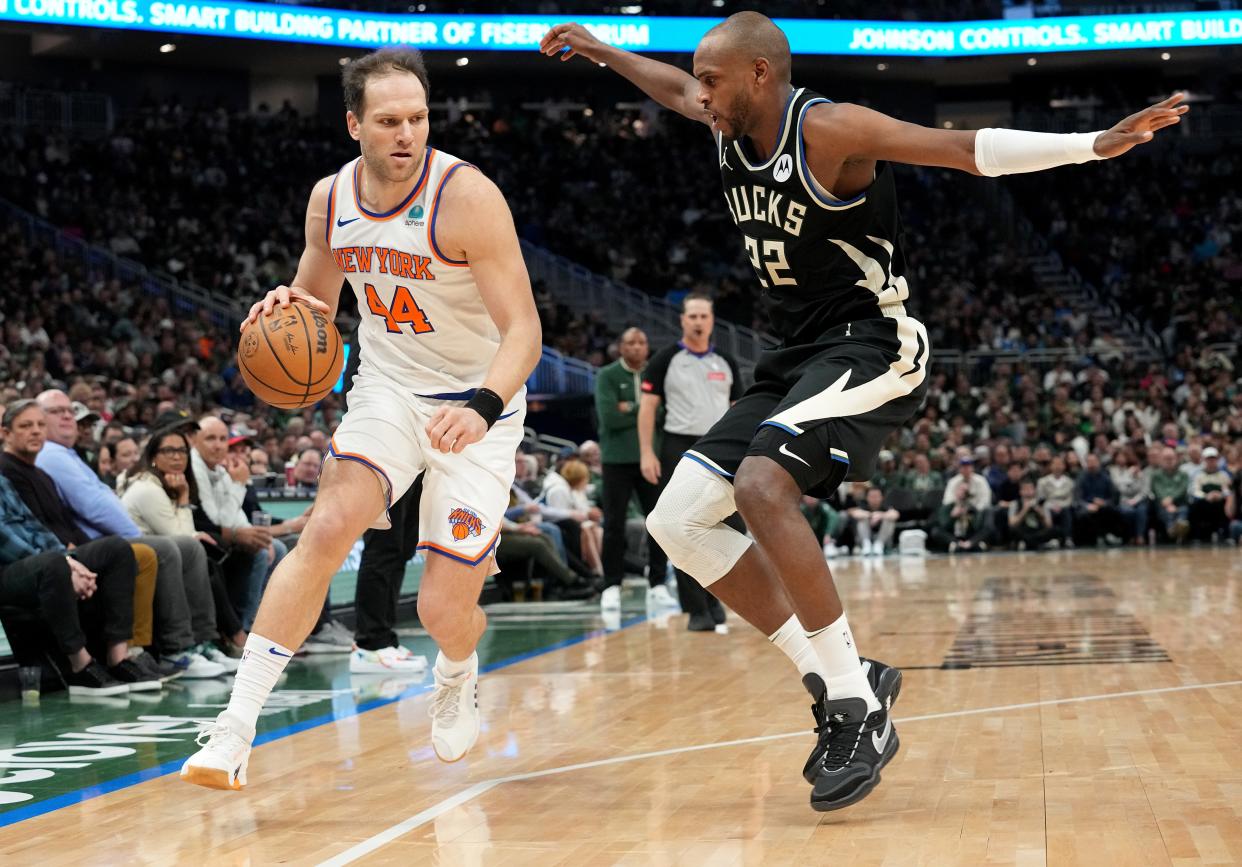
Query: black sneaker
x=167 y=669
x=881 y=677
x=859 y=745
x=148 y=664
x=94 y=680
x=139 y=679
x=701 y=621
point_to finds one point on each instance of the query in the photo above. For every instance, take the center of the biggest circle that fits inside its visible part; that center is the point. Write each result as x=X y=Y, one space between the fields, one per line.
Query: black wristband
x=488 y=404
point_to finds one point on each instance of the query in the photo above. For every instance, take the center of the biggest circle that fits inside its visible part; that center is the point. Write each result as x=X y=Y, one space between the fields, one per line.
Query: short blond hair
x=575 y=472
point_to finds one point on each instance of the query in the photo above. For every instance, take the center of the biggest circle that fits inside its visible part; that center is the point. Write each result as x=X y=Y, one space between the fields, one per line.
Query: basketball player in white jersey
x=449 y=335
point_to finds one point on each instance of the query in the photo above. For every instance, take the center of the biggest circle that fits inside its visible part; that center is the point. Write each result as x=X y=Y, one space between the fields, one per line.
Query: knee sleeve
x=687 y=523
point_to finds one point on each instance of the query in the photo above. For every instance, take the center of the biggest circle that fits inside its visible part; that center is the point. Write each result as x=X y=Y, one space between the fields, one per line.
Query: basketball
x=291 y=357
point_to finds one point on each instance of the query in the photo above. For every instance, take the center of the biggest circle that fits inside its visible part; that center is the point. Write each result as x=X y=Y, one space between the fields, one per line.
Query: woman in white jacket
x=158 y=493
x=566 y=489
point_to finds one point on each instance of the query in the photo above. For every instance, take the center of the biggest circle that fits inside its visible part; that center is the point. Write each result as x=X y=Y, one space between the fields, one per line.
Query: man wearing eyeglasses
x=181 y=587
x=41 y=540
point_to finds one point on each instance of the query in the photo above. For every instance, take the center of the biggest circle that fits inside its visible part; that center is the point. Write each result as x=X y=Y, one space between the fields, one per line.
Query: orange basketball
x=460 y=531
x=292 y=357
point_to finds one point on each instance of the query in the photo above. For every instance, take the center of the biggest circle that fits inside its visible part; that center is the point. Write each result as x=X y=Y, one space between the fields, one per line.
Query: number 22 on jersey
x=772 y=259
x=404 y=309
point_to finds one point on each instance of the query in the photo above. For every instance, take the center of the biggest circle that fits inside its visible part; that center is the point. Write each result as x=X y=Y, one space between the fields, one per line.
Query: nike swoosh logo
x=274 y=652
x=784 y=449
x=340 y=222
x=880 y=741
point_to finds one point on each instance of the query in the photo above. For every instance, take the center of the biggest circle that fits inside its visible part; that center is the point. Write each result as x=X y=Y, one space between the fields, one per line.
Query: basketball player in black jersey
x=810 y=186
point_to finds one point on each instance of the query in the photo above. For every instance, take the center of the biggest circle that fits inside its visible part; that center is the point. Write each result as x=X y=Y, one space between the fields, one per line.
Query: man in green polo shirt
x=617 y=391
x=1170 y=490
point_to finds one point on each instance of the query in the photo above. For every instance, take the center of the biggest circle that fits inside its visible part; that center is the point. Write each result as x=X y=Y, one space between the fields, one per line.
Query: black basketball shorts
x=822 y=411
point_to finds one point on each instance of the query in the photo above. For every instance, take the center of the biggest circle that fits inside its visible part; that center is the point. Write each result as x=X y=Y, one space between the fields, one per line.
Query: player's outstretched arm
x=673 y=88
x=860 y=133
x=318 y=281
x=475 y=226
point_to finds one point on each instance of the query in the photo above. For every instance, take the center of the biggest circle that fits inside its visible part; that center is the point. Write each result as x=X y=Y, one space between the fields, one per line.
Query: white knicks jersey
x=424 y=326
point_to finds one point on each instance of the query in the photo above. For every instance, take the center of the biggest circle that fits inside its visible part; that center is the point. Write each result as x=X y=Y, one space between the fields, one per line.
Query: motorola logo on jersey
x=754 y=202
x=784 y=168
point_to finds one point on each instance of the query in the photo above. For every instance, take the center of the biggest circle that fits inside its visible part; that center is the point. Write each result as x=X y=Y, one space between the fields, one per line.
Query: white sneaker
x=386 y=660
x=659 y=597
x=194 y=665
x=830 y=551
x=610 y=598
x=211 y=653
x=864 y=549
x=329 y=639
x=221 y=762
x=338 y=631
x=454 y=711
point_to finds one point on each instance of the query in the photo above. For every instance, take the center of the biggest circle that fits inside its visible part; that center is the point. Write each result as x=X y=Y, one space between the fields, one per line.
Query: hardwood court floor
x=1072 y=708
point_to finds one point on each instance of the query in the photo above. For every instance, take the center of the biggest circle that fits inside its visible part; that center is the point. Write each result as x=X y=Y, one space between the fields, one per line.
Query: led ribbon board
x=523 y=32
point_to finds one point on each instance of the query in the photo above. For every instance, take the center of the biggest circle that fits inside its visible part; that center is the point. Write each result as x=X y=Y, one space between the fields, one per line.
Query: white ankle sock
x=257 y=673
x=844 y=677
x=449 y=668
x=792 y=641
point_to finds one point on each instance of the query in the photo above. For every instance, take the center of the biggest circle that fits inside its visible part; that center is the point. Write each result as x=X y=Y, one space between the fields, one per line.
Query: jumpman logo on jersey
x=724 y=157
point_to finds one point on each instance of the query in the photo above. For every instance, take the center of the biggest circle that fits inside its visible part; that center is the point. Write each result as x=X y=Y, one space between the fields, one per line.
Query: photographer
x=1030 y=525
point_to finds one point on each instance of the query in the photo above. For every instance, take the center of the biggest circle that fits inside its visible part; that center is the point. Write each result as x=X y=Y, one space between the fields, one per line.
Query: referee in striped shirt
x=696 y=384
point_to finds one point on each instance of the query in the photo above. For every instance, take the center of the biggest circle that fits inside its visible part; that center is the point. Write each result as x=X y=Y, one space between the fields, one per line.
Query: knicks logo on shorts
x=465 y=523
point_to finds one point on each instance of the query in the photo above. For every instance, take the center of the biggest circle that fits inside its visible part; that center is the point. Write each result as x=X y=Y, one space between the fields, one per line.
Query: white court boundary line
x=436 y=810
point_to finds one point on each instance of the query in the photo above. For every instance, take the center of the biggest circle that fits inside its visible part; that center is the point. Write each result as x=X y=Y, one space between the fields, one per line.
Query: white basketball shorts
x=464 y=495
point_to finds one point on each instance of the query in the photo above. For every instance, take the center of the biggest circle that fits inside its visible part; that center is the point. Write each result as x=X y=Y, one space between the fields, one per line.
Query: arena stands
x=1032 y=366
x=960 y=268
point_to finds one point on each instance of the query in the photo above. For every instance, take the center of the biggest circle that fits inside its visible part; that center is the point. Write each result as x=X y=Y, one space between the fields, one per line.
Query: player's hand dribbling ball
x=290 y=352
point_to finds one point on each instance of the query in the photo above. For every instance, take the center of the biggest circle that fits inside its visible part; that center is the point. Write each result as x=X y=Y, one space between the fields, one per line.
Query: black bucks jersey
x=821 y=261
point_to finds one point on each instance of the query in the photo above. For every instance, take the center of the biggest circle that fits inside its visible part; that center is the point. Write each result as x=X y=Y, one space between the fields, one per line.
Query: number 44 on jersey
x=403 y=310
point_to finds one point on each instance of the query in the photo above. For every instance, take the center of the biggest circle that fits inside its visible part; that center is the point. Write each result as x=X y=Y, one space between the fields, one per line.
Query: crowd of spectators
x=1017 y=455
x=1171 y=219
x=231 y=191
x=1098 y=455
x=1099 y=448
x=177 y=498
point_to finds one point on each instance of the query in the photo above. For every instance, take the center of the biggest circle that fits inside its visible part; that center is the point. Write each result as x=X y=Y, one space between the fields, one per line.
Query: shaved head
x=751 y=35
x=743 y=66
